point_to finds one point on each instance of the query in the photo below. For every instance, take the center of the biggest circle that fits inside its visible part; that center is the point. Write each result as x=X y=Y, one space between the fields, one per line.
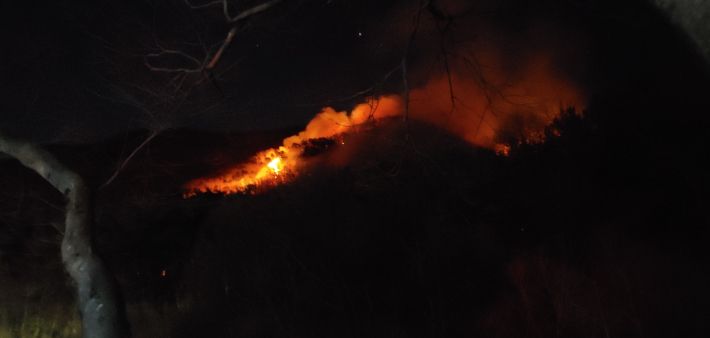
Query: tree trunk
x=692 y=16
x=101 y=309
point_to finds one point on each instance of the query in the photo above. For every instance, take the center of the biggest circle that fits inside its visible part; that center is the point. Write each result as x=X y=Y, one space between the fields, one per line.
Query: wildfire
x=275 y=166
x=267 y=168
x=494 y=93
x=497 y=120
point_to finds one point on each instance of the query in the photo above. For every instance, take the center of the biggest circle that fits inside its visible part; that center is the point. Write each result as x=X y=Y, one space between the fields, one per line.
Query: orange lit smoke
x=475 y=101
x=482 y=102
x=476 y=114
x=275 y=166
x=496 y=70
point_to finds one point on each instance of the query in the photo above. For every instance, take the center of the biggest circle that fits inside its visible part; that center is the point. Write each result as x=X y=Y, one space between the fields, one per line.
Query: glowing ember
x=502 y=149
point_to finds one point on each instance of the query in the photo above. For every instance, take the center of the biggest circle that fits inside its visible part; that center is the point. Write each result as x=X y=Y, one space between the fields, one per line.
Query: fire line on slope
x=519 y=114
x=280 y=165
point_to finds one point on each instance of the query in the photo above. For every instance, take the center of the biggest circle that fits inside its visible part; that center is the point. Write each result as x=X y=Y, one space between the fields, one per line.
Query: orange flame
x=268 y=167
x=275 y=166
x=499 y=113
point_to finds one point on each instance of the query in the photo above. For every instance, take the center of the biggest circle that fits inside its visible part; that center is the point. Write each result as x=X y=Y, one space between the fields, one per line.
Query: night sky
x=74 y=71
x=69 y=67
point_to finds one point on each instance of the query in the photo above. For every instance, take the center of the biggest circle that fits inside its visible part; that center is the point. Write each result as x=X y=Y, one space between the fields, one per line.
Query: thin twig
x=230 y=35
x=182 y=70
x=404 y=60
x=208 y=64
x=406 y=88
x=153 y=134
x=249 y=12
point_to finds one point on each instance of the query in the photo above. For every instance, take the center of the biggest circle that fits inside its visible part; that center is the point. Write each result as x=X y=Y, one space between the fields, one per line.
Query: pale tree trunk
x=101 y=307
x=693 y=17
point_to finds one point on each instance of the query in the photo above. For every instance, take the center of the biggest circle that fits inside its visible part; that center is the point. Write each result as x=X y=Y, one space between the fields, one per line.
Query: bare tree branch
x=249 y=12
x=174 y=52
x=152 y=135
x=240 y=16
x=225 y=44
x=207 y=63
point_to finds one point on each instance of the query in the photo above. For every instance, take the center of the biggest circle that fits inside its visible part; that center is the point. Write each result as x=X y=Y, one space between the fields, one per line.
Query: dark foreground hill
x=433 y=237
x=405 y=230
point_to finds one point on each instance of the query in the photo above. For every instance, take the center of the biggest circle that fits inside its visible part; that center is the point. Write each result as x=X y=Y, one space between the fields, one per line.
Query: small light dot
x=359 y=34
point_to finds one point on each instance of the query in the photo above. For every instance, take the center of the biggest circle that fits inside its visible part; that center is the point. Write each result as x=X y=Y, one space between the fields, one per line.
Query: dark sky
x=74 y=71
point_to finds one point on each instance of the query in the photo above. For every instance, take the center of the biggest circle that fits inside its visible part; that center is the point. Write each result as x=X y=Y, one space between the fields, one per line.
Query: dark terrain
x=429 y=237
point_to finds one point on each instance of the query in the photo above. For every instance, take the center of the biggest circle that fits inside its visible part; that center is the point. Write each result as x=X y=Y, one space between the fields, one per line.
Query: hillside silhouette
x=403 y=230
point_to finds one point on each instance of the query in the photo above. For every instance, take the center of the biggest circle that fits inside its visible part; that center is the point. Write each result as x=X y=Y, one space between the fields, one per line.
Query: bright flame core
x=274 y=165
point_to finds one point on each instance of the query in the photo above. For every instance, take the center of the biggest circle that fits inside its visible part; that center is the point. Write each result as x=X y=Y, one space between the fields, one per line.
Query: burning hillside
x=483 y=98
x=279 y=165
x=515 y=112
